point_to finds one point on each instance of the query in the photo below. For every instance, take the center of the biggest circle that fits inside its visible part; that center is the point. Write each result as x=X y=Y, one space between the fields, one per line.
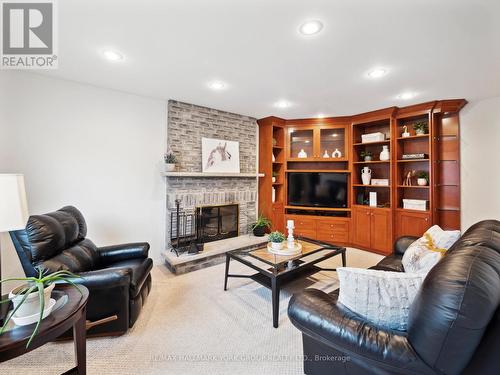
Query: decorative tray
x=285 y=251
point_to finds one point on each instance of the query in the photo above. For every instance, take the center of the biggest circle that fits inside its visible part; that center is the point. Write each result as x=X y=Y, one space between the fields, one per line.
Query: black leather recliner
x=118 y=277
x=454 y=322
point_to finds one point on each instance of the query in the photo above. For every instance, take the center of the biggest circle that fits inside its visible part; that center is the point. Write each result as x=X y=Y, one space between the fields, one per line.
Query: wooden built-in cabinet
x=371 y=228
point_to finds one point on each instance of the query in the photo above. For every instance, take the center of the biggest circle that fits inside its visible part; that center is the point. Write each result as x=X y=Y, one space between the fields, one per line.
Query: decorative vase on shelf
x=325 y=155
x=421 y=181
x=302 y=154
x=405 y=132
x=384 y=155
x=169 y=167
x=273 y=197
x=420 y=131
x=336 y=153
x=273 y=179
x=366 y=175
x=274 y=159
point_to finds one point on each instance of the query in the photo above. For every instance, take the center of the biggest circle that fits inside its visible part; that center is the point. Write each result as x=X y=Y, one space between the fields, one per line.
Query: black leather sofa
x=454 y=322
x=118 y=277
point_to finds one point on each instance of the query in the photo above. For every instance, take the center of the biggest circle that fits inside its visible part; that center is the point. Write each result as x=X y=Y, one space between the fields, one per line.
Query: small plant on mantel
x=366 y=155
x=420 y=127
x=261 y=225
x=170 y=160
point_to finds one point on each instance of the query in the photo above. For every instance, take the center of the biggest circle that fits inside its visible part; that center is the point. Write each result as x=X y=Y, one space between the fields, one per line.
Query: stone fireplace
x=219 y=199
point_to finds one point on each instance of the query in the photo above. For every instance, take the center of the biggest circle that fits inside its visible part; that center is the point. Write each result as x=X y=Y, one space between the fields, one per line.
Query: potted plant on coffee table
x=260 y=226
x=276 y=239
x=31 y=300
x=170 y=160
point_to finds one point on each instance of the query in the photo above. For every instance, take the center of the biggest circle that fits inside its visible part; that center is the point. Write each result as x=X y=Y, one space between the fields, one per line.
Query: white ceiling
x=436 y=48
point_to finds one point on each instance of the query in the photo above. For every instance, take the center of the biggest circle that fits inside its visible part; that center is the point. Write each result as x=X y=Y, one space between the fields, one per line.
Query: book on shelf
x=380 y=181
x=414 y=156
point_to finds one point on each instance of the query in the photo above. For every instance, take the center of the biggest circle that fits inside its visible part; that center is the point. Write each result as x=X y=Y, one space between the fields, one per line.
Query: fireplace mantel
x=211 y=175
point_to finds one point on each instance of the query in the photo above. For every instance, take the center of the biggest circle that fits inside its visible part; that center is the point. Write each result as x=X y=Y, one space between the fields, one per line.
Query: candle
x=289 y=224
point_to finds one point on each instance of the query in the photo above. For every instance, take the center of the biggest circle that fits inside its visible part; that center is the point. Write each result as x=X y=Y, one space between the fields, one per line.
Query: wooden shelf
x=387 y=141
x=321 y=160
x=372 y=162
x=319 y=170
x=278 y=147
x=413 y=137
x=411 y=160
x=414 y=187
x=317 y=208
x=370 y=207
x=277 y=162
x=372 y=186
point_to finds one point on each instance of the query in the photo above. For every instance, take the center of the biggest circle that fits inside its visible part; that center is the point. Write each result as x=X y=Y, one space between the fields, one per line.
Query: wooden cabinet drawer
x=333 y=237
x=329 y=226
x=303 y=223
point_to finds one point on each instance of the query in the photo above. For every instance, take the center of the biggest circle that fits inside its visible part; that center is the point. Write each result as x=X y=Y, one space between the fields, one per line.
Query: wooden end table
x=71 y=313
x=274 y=271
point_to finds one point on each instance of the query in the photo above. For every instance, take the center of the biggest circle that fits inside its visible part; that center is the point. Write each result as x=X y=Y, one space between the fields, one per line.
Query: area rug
x=189 y=325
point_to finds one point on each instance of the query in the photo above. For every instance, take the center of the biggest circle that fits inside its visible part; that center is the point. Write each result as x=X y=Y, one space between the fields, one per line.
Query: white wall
x=99 y=150
x=480 y=157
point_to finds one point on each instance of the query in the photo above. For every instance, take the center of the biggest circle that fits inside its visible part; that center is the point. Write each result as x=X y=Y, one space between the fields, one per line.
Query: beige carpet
x=191 y=326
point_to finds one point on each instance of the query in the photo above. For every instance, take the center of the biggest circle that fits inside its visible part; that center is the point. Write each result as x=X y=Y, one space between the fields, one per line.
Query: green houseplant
x=366 y=155
x=261 y=225
x=420 y=127
x=422 y=178
x=170 y=160
x=276 y=239
x=33 y=297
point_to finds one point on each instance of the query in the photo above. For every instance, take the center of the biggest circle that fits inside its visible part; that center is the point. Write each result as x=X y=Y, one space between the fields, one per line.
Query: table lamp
x=13 y=205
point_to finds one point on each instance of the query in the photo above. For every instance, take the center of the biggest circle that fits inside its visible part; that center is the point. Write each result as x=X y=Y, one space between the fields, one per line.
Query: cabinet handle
x=426 y=219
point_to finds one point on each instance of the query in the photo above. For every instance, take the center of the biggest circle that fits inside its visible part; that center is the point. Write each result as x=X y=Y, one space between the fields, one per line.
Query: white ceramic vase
x=366 y=175
x=384 y=155
x=302 y=154
x=169 y=167
x=336 y=153
x=31 y=305
x=325 y=155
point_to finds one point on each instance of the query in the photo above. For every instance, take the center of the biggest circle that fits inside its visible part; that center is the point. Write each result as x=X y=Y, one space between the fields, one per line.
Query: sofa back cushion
x=56 y=241
x=457 y=301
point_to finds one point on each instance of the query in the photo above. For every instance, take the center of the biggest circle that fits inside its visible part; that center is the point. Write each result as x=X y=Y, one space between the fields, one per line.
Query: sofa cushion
x=390 y=263
x=381 y=297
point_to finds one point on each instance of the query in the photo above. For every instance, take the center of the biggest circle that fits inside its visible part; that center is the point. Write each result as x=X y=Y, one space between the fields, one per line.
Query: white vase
x=336 y=153
x=366 y=175
x=31 y=305
x=277 y=245
x=325 y=155
x=273 y=179
x=169 y=167
x=302 y=154
x=421 y=181
x=384 y=155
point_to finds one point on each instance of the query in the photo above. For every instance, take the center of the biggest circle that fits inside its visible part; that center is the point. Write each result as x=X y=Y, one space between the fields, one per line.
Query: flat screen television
x=317 y=189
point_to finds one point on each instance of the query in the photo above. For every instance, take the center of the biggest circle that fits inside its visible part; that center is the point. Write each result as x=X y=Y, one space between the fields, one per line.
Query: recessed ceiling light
x=406 y=95
x=377 y=73
x=217 y=85
x=310 y=27
x=113 y=55
x=282 y=104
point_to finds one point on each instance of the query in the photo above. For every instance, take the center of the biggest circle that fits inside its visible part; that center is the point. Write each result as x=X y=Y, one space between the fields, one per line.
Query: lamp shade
x=13 y=204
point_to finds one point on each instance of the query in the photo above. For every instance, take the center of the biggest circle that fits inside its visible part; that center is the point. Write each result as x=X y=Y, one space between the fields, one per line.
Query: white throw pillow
x=382 y=297
x=424 y=253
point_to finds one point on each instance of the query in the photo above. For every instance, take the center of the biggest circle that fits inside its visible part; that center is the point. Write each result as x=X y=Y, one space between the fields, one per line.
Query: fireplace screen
x=217 y=222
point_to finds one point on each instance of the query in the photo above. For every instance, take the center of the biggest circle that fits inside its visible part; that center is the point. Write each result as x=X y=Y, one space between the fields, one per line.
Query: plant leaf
x=42 y=308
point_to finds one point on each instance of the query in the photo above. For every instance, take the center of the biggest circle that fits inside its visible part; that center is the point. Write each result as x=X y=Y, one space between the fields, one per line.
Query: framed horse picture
x=219 y=155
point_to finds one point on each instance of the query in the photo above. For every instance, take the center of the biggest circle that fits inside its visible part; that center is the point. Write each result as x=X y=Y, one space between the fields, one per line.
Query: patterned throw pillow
x=381 y=297
x=424 y=253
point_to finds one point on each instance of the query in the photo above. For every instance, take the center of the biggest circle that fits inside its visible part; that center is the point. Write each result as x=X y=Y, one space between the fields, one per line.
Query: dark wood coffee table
x=71 y=313
x=274 y=271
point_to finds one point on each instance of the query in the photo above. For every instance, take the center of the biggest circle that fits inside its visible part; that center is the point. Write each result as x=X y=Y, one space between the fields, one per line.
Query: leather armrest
x=105 y=278
x=319 y=316
x=117 y=253
x=402 y=243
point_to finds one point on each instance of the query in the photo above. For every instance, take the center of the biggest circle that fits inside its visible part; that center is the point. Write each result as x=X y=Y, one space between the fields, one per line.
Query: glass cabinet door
x=301 y=143
x=332 y=143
